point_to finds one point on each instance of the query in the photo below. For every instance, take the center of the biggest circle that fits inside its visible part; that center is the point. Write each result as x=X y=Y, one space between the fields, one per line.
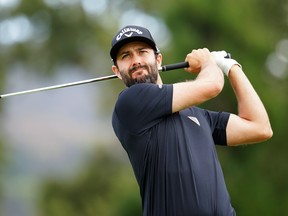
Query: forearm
x=208 y=84
x=250 y=109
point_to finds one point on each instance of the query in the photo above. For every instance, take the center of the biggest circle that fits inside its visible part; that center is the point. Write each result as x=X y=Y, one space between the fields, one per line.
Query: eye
x=124 y=55
x=143 y=51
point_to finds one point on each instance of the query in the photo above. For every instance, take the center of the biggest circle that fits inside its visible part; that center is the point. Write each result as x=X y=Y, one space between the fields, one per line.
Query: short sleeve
x=141 y=106
x=218 y=122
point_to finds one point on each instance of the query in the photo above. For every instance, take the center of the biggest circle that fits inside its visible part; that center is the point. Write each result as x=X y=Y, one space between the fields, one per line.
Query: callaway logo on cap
x=130 y=34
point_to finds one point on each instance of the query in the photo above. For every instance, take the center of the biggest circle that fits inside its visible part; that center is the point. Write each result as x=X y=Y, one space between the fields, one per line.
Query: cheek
x=153 y=62
x=123 y=67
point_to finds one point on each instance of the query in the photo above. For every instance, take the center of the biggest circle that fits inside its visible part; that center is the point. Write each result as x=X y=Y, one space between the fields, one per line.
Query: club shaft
x=59 y=86
x=161 y=69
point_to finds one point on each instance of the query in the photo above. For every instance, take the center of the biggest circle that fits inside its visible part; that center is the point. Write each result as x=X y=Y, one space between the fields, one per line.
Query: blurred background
x=58 y=153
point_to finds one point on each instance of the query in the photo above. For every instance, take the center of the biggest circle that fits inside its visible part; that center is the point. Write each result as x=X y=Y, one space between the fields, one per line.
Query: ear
x=159 y=60
x=116 y=71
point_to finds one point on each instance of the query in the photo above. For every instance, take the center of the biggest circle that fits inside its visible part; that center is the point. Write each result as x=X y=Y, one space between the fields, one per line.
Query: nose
x=136 y=61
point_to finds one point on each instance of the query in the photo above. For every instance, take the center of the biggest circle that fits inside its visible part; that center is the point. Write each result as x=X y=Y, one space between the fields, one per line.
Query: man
x=171 y=142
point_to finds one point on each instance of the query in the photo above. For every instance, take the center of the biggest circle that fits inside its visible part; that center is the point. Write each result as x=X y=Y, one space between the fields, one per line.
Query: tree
x=105 y=187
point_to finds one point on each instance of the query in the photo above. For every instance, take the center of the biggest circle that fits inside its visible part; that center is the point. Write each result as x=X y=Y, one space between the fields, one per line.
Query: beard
x=151 y=77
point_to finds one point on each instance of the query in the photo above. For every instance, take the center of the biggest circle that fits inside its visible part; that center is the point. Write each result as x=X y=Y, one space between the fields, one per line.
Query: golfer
x=169 y=140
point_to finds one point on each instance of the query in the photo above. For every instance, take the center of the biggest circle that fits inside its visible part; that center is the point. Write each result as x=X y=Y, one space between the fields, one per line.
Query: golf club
x=161 y=69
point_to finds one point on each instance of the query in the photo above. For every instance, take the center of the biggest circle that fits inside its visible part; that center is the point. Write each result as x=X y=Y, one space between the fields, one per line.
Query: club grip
x=175 y=66
x=181 y=65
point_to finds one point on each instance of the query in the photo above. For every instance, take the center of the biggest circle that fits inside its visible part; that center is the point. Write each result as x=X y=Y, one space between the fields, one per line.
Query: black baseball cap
x=129 y=34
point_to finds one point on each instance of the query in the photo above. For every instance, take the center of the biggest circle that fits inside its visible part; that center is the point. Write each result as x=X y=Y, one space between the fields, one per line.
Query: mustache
x=131 y=70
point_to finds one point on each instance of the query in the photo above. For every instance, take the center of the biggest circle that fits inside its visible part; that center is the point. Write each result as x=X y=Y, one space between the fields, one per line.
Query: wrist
x=234 y=69
x=225 y=64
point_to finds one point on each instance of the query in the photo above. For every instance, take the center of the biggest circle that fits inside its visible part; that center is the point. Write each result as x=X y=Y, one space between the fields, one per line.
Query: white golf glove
x=223 y=63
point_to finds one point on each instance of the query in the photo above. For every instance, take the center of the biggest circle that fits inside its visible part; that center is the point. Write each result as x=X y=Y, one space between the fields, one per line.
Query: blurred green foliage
x=105 y=187
x=256 y=175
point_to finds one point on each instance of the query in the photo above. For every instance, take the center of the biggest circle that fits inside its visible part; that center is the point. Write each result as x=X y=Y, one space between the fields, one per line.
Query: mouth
x=138 y=71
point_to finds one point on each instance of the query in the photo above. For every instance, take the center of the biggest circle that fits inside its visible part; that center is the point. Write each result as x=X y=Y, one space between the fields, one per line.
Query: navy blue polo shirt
x=173 y=155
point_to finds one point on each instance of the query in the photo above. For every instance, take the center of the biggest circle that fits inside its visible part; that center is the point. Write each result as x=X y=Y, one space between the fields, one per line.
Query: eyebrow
x=122 y=53
x=128 y=51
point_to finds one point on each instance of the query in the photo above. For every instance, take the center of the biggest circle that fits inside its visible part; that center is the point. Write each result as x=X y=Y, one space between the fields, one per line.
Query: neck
x=159 y=80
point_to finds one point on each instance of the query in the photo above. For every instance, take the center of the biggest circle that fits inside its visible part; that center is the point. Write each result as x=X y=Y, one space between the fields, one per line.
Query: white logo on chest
x=194 y=119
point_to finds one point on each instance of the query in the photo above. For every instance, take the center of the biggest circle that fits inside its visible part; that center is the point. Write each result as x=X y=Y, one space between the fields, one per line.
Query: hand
x=197 y=59
x=225 y=64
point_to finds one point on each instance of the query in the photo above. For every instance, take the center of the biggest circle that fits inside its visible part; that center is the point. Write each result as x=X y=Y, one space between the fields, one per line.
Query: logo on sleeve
x=194 y=119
